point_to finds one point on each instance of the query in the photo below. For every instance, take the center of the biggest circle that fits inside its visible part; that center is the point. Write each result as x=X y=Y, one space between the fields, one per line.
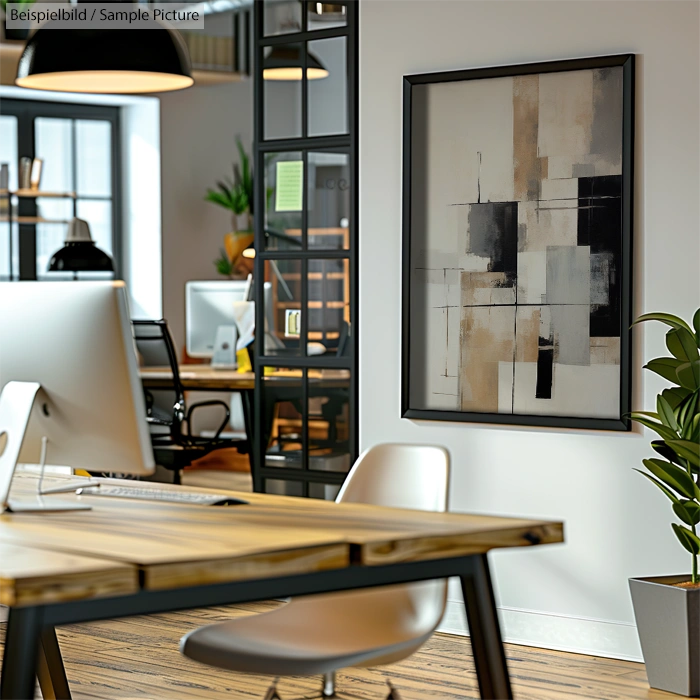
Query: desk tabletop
x=176 y=545
x=195 y=377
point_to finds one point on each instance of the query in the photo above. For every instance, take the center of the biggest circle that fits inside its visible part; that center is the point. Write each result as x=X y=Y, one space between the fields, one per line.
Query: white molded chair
x=321 y=634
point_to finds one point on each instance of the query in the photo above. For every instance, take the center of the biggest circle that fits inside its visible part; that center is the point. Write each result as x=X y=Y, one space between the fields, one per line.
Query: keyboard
x=163 y=495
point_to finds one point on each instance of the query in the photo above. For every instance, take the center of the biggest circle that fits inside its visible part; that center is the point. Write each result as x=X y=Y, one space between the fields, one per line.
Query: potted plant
x=667 y=608
x=17 y=33
x=236 y=196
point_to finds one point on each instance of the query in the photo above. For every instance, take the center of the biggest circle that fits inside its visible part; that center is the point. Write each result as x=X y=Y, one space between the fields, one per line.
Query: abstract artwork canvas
x=517 y=235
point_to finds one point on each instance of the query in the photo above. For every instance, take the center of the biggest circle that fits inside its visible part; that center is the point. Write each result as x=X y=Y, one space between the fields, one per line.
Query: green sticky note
x=289 y=193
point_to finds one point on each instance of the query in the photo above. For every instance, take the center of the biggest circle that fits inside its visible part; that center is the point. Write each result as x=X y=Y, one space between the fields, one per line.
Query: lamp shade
x=80 y=254
x=105 y=60
x=284 y=63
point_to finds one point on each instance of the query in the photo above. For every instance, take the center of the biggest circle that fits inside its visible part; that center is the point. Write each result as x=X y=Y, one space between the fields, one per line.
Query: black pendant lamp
x=284 y=63
x=80 y=254
x=105 y=60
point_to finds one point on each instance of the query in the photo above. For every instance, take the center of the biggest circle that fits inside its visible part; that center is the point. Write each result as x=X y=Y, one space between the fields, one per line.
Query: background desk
x=132 y=557
x=282 y=385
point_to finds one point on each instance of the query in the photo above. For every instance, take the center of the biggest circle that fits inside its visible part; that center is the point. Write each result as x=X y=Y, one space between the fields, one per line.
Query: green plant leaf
x=696 y=325
x=674 y=477
x=675 y=395
x=656 y=482
x=688 y=375
x=665 y=451
x=686 y=449
x=666 y=415
x=687 y=511
x=681 y=343
x=687 y=408
x=665 y=367
x=665 y=432
x=668 y=319
x=690 y=541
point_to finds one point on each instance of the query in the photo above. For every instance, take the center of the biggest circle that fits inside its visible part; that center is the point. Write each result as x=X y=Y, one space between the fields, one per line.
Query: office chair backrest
x=399 y=476
x=156 y=349
x=402 y=476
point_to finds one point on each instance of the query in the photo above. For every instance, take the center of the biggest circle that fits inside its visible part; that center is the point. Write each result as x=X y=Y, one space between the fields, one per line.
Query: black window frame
x=27 y=111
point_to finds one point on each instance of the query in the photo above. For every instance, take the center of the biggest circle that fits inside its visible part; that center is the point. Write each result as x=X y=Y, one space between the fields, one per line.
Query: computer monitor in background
x=209 y=305
x=69 y=373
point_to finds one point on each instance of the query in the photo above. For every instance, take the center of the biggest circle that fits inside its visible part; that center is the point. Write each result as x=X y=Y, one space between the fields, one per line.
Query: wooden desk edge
x=446 y=546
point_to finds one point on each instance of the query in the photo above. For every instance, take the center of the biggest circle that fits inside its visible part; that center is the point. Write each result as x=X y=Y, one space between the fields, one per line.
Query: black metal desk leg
x=19 y=661
x=485 y=633
x=50 y=669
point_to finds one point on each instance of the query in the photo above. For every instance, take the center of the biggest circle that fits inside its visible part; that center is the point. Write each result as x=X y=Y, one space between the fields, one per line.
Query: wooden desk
x=282 y=385
x=204 y=378
x=133 y=557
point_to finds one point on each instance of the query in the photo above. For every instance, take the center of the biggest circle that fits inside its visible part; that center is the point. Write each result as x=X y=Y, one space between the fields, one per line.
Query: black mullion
x=26 y=233
x=259 y=448
x=304 y=254
x=312 y=143
x=330 y=33
x=305 y=426
x=319 y=362
x=353 y=131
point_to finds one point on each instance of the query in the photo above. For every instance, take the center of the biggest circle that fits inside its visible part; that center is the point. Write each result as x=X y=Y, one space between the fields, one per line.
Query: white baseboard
x=616 y=640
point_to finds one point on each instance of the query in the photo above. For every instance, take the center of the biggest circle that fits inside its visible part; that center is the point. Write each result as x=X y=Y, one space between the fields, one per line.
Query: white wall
x=571 y=596
x=198 y=147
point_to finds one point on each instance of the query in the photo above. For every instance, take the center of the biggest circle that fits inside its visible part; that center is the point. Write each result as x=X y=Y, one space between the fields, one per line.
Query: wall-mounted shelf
x=33 y=220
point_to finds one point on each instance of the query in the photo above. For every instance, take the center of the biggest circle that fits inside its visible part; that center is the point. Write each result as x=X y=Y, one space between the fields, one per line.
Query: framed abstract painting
x=517 y=235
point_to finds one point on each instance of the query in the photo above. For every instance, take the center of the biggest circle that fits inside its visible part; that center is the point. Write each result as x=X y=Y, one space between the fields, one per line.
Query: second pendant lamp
x=285 y=63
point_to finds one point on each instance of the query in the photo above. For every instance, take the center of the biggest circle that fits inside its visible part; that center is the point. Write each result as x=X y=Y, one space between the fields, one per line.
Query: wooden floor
x=138 y=659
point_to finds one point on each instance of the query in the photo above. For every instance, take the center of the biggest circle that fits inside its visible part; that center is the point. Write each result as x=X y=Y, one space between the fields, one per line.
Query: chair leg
x=272 y=693
x=328 y=689
x=176 y=477
x=393 y=693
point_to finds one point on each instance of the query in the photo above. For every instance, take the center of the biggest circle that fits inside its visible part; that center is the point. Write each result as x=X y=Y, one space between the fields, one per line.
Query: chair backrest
x=155 y=348
x=399 y=476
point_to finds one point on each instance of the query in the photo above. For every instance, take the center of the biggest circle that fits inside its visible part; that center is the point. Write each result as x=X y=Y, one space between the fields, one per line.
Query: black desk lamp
x=80 y=254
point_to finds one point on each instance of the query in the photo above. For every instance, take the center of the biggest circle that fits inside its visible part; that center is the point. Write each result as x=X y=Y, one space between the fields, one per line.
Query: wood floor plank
x=138 y=659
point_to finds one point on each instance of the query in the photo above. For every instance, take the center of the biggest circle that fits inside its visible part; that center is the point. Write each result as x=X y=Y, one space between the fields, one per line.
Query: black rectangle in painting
x=493 y=234
x=600 y=227
x=545 y=367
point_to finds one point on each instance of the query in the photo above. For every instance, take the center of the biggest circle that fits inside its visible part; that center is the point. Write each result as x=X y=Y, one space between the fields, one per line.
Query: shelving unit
x=11 y=217
x=324 y=281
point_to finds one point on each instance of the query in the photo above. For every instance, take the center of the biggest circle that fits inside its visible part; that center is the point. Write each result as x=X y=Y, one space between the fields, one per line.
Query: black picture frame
x=621 y=423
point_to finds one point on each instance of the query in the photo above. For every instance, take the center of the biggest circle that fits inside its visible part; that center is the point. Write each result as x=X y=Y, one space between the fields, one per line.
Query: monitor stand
x=16 y=402
x=225 y=348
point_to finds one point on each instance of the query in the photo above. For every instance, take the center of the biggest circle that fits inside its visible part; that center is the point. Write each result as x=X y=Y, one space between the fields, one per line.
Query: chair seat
x=317 y=634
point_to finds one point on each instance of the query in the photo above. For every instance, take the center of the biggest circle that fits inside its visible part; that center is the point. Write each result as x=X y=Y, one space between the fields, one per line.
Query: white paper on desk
x=244 y=314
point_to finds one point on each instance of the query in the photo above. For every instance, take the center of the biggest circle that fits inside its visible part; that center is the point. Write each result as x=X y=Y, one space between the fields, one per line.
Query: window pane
x=93 y=157
x=281 y=17
x=282 y=419
x=99 y=215
x=329 y=305
x=283 y=187
x=49 y=239
x=54 y=144
x=282 y=308
x=328 y=103
x=8 y=152
x=329 y=426
x=282 y=91
x=329 y=201
x=8 y=266
x=324 y=15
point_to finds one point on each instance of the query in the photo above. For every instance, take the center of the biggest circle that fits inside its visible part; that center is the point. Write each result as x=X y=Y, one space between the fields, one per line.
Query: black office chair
x=169 y=418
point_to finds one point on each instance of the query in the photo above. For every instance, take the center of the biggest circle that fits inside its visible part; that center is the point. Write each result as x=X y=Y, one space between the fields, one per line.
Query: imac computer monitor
x=72 y=342
x=209 y=305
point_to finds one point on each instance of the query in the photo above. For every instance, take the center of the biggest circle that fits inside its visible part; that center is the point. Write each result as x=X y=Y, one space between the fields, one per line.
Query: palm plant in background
x=677 y=422
x=237 y=196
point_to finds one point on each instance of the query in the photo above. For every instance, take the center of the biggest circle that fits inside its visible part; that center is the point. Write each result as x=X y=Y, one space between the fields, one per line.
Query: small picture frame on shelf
x=35 y=176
